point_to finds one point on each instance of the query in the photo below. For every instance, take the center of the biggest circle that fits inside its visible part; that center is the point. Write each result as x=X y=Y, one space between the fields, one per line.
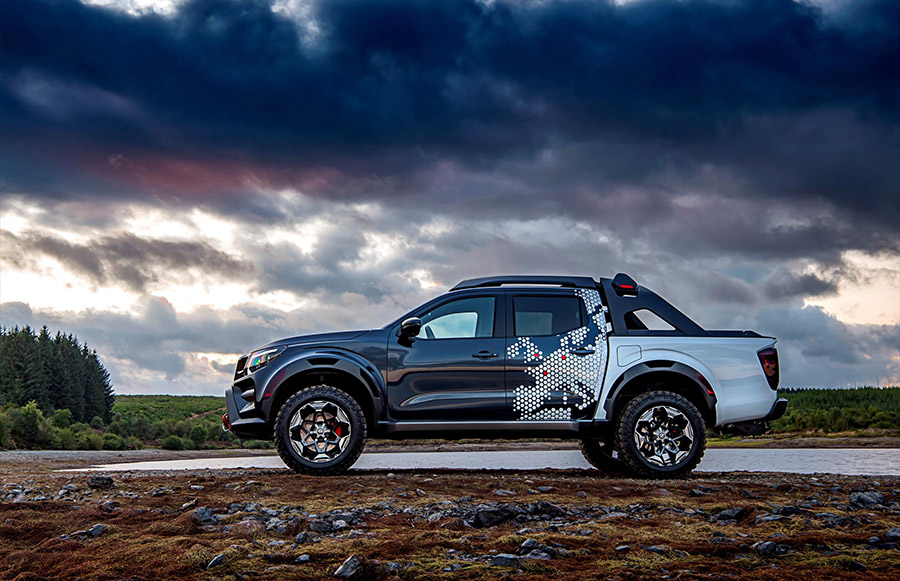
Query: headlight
x=262 y=358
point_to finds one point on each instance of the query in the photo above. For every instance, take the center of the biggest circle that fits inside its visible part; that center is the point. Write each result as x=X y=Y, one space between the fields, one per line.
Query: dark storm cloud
x=788 y=100
x=121 y=259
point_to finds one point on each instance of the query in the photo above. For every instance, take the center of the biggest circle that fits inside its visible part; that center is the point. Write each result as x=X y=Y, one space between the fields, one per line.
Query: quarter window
x=546 y=315
x=461 y=319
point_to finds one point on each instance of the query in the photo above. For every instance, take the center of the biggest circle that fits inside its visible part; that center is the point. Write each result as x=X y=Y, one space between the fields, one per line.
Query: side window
x=646 y=320
x=548 y=315
x=461 y=319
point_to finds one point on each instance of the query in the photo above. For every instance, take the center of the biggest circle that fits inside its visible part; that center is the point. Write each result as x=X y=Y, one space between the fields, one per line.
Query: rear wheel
x=320 y=431
x=661 y=434
x=601 y=455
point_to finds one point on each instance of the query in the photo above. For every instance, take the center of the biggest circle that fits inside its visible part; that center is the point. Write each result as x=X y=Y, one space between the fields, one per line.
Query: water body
x=849 y=461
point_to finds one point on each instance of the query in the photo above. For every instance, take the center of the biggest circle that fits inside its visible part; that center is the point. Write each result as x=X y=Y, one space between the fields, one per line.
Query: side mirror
x=410 y=327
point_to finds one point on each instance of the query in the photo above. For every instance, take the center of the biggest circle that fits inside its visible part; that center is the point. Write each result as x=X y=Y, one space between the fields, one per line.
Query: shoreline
x=28 y=460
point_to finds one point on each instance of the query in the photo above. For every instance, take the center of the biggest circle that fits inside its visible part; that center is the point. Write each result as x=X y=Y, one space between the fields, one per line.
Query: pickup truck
x=606 y=362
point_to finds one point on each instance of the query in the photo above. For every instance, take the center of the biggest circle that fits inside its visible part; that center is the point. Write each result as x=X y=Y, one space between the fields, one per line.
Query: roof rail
x=566 y=281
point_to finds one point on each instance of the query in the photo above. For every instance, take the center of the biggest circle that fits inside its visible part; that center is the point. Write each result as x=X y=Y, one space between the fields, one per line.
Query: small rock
x=892 y=535
x=302 y=559
x=736 y=513
x=528 y=546
x=855 y=566
x=216 y=561
x=623 y=548
x=661 y=492
x=868 y=498
x=538 y=554
x=339 y=525
x=100 y=482
x=97 y=530
x=349 y=567
x=420 y=492
x=302 y=538
x=190 y=504
x=658 y=549
x=320 y=526
x=487 y=518
x=581 y=494
x=203 y=515
x=504 y=560
x=502 y=492
x=545 y=489
x=197 y=487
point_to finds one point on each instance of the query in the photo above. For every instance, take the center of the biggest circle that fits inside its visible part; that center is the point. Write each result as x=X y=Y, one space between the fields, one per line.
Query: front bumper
x=250 y=428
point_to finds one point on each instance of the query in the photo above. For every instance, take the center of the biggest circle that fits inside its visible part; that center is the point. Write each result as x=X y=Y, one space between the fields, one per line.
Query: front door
x=556 y=355
x=455 y=368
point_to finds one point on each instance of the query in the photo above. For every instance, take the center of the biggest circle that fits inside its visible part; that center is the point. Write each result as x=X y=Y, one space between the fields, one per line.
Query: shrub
x=66 y=439
x=113 y=442
x=26 y=424
x=4 y=431
x=199 y=435
x=88 y=440
x=172 y=442
x=134 y=443
x=79 y=427
x=118 y=427
x=61 y=418
x=97 y=423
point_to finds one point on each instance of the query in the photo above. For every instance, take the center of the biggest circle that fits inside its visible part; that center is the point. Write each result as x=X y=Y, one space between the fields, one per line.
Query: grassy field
x=844 y=413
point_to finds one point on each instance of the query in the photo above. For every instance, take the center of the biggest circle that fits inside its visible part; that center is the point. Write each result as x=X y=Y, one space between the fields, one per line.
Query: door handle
x=484 y=355
x=582 y=351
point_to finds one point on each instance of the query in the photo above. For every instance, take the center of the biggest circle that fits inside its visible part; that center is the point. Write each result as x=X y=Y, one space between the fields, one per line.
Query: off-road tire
x=625 y=435
x=346 y=458
x=598 y=453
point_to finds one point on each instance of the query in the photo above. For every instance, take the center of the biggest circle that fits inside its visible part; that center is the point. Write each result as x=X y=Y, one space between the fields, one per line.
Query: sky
x=182 y=181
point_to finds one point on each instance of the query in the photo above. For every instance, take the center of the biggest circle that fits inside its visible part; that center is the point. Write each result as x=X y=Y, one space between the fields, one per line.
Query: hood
x=317 y=338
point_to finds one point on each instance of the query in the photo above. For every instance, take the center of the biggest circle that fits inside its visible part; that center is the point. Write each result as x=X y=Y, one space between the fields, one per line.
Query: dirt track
x=457 y=524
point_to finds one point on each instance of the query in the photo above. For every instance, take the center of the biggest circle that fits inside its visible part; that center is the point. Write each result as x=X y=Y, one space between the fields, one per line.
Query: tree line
x=42 y=374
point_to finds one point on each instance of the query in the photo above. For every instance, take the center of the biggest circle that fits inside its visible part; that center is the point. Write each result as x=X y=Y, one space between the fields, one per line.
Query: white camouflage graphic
x=560 y=370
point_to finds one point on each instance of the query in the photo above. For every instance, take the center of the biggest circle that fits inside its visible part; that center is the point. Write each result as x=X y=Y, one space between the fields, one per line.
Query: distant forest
x=54 y=371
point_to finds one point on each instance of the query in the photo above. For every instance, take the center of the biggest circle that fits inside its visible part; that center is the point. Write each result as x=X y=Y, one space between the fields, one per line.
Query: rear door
x=556 y=353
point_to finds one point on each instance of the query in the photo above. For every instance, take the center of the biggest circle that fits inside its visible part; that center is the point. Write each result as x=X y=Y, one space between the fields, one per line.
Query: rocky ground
x=272 y=524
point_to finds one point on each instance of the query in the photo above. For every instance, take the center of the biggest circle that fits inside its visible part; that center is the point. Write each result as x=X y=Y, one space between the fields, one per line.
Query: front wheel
x=320 y=431
x=661 y=434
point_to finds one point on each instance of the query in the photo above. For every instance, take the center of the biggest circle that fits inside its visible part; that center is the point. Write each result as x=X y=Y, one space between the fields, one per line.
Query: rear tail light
x=226 y=424
x=768 y=359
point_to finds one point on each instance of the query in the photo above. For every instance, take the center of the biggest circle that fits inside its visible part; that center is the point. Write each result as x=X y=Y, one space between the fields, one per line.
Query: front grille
x=239 y=370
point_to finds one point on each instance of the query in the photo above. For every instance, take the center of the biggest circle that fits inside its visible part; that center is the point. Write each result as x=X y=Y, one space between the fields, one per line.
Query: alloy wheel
x=663 y=435
x=320 y=431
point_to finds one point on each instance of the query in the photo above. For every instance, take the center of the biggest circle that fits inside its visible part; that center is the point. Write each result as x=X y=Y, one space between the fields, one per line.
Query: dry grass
x=150 y=537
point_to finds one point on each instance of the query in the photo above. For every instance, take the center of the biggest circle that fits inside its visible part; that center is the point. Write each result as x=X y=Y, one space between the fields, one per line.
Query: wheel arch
x=662 y=375
x=357 y=378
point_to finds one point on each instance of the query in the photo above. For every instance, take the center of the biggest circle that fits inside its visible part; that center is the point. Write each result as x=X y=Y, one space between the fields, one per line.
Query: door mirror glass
x=410 y=327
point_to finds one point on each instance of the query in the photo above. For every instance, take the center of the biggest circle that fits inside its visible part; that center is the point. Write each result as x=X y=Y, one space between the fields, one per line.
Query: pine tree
x=56 y=373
